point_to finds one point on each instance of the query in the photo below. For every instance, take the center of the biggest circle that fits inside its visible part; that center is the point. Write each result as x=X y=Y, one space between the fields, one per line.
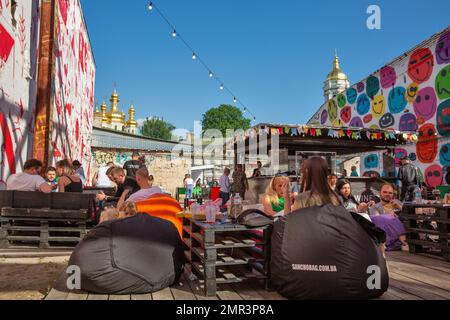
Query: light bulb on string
x=150 y=6
x=221 y=87
x=174 y=33
x=211 y=74
x=245 y=110
x=235 y=100
x=194 y=56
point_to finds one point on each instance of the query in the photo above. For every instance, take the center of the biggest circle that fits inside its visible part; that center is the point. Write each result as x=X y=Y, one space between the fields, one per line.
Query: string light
x=175 y=34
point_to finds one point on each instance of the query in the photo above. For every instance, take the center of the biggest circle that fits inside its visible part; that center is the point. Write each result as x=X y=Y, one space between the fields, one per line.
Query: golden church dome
x=114 y=115
x=337 y=73
x=132 y=122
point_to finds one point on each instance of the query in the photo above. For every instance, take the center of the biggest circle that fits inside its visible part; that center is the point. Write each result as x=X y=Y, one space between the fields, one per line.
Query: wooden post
x=44 y=235
x=4 y=243
x=44 y=105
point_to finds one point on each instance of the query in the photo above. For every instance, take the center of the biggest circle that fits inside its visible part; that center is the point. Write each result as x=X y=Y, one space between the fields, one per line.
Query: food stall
x=282 y=148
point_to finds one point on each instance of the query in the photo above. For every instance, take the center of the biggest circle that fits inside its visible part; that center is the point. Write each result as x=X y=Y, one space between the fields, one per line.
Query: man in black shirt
x=410 y=178
x=133 y=165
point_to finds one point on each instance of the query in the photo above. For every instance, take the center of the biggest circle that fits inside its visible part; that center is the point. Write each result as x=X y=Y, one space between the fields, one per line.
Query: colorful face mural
x=324 y=117
x=412 y=91
x=387 y=120
x=363 y=104
x=443 y=83
x=368 y=118
x=444 y=155
x=443 y=118
x=443 y=49
x=372 y=86
x=434 y=176
x=342 y=101
x=425 y=105
x=421 y=65
x=388 y=77
x=408 y=123
x=372 y=161
x=332 y=110
x=378 y=106
x=371 y=174
x=427 y=146
x=397 y=100
x=399 y=155
x=412 y=156
x=356 y=122
x=352 y=94
x=346 y=114
x=360 y=87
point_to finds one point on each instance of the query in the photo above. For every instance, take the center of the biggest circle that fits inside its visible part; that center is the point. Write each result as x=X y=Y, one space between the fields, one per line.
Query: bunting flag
x=294 y=132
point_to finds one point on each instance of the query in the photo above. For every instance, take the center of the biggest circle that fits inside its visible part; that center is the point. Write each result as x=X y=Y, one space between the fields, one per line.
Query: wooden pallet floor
x=412 y=277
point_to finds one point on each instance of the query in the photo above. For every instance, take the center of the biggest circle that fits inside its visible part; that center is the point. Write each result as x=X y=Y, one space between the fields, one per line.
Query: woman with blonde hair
x=274 y=198
x=68 y=181
x=127 y=209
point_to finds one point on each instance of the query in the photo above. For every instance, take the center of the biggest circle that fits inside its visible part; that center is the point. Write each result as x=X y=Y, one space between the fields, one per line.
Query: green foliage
x=225 y=117
x=157 y=129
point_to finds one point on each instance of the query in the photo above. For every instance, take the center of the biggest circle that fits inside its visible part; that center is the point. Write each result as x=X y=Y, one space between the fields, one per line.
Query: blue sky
x=274 y=55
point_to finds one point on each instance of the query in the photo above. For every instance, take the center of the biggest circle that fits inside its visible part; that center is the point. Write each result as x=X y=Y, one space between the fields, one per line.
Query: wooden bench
x=46 y=219
x=418 y=221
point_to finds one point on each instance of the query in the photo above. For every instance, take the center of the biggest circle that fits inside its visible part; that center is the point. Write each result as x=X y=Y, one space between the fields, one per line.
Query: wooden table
x=417 y=221
x=225 y=253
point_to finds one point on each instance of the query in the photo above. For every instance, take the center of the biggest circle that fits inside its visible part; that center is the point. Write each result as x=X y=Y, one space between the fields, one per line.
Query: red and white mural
x=73 y=80
x=19 y=37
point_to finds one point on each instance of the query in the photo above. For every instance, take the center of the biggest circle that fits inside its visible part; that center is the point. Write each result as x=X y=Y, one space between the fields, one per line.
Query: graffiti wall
x=168 y=173
x=19 y=37
x=74 y=77
x=411 y=94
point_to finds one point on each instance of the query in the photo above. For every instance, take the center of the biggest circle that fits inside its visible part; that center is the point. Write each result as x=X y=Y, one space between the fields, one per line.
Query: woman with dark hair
x=316 y=190
x=68 y=181
x=344 y=190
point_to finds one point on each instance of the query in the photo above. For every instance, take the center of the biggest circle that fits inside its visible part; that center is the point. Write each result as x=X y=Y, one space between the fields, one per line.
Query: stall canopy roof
x=328 y=139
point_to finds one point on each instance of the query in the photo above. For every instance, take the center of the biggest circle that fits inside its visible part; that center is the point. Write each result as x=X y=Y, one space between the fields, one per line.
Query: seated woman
x=315 y=187
x=273 y=199
x=68 y=181
x=344 y=190
x=384 y=216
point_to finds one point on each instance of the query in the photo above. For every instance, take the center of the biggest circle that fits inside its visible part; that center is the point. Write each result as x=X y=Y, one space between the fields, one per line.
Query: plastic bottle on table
x=418 y=195
x=237 y=206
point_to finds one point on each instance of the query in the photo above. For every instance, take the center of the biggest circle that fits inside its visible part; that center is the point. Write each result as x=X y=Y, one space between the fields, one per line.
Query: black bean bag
x=136 y=255
x=322 y=253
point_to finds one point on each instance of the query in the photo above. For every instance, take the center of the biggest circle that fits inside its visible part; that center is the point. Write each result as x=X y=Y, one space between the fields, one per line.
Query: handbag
x=254 y=218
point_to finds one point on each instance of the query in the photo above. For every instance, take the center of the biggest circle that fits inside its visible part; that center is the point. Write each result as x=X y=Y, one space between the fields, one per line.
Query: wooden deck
x=412 y=277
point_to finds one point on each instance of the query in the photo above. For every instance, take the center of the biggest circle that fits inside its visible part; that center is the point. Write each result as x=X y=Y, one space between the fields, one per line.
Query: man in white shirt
x=29 y=180
x=225 y=187
x=142 y=179
x=101 y=179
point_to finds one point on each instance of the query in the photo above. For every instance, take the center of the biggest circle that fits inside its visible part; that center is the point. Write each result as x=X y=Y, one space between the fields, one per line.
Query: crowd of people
x=132 y=182
x=319 y=188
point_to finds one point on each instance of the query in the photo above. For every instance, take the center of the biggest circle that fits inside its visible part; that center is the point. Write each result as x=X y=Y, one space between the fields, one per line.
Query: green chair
x=180 y=192
x=444 y=190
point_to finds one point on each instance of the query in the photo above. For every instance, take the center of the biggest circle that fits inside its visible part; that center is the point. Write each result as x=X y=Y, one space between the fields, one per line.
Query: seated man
x=147 y=190
x=384 y=216
x=112 y=200
x=29 y=180
x=127 y=184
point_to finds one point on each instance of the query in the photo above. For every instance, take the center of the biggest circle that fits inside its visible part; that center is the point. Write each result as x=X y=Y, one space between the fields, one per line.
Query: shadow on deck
x=412 y=277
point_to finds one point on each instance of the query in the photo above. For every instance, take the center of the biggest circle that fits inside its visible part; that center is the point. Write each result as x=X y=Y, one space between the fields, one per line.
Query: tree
x=225 y=117
x=157 y=129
